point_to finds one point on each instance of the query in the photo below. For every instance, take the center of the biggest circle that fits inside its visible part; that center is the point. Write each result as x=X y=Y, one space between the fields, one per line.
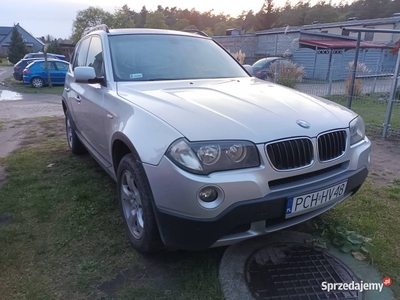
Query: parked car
x=20 y=66
x=41 y=55
x=261 y=68
x=204 y=155
x=36 y=75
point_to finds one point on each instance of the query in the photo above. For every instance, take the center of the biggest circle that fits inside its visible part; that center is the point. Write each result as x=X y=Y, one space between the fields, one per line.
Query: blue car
x=36 y=75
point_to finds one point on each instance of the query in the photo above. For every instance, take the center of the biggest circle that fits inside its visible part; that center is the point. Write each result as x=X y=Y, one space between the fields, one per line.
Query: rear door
x=52 y=71
x=92 y=100
x=75 y=90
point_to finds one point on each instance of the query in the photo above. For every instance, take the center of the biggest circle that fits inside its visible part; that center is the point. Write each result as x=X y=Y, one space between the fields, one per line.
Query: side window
x=61 y=66
x=42 y=65
x=80 y=60
x=95 y=56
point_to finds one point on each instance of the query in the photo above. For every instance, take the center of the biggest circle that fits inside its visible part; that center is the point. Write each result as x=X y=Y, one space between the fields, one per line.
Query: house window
x=345 y=32
x=324 y=31
x=369 y=36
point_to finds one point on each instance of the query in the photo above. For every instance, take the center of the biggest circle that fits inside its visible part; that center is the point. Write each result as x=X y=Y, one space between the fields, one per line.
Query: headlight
x=357 y=130
x=207 y=157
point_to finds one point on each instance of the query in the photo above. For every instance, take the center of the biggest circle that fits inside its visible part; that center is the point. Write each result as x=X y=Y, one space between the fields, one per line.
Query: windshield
x=170 y=57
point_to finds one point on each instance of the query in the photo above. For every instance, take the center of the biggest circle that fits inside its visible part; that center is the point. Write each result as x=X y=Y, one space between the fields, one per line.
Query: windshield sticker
x=136 y=75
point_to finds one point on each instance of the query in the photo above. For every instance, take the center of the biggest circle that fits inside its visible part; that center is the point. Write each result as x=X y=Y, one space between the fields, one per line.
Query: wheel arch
x=120 y=146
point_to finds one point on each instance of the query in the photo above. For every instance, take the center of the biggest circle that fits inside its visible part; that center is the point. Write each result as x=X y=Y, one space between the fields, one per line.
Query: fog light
x=208 y=194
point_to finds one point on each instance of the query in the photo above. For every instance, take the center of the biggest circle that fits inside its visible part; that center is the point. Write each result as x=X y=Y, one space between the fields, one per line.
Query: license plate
x=306 y=202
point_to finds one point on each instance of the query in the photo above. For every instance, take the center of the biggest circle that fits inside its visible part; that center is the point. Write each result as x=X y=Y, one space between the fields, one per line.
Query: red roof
x=340 y=44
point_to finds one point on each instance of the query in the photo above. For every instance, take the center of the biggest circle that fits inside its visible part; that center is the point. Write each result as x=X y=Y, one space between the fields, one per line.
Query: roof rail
x=88 y=30
x=195 y=31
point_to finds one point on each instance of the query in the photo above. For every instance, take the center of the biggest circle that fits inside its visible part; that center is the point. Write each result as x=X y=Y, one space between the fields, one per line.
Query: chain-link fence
x=371 y=90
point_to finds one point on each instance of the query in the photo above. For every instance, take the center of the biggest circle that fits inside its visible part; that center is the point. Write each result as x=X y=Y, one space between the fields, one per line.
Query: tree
x=89 y=17
x=54 y=47
x=181 y=24
x=123 y=18
x=265 y=18
x=17 y=48
x=155 y=20
x=142 y=17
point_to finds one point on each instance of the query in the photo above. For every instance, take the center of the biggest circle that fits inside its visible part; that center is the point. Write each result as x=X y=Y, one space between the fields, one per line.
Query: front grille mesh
x=290 y=154
x=331 y=145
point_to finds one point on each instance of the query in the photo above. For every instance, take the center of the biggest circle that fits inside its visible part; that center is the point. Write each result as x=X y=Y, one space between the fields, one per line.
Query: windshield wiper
x=159 y=79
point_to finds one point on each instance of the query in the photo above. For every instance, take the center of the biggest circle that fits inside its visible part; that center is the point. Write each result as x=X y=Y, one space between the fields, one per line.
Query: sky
x=55 y=17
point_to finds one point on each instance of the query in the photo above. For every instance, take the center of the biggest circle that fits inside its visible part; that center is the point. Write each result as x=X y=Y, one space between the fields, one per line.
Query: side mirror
x=249 y=69
x=86 y=75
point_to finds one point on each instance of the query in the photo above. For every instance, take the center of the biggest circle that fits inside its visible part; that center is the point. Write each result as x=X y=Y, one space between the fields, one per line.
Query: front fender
x=147 y=136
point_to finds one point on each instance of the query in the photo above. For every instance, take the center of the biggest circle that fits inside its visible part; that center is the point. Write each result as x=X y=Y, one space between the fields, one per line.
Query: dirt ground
x=385 y=154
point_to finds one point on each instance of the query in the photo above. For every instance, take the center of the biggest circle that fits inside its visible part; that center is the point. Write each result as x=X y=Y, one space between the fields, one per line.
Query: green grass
x=371 y=110
x=4 y=63
x=20 y=87
x=374 y=212
x=67 y=240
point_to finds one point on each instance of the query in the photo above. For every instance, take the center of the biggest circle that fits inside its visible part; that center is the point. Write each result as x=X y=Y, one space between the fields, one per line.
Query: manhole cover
x=295 y=272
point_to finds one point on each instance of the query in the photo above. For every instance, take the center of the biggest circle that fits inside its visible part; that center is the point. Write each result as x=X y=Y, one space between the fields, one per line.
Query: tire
x=75 y=145
x=135 y=203
x=37 y=82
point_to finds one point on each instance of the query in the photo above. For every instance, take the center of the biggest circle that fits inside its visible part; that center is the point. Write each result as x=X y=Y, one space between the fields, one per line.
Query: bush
x=239 y=56
x=358 y=84
x=1 y=60
x=288 y=73
x=3 y=55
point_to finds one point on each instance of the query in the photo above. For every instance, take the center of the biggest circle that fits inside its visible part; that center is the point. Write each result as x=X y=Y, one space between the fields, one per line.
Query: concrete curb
x=232 y=277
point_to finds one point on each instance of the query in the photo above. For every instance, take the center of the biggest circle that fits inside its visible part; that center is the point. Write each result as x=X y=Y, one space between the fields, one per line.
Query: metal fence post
x=386 y=125
x=277 y=65
x=376 y=73
x=354 y=71
x=330 y=78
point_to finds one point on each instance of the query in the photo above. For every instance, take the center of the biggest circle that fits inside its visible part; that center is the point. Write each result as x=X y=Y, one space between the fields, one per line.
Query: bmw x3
x=204 y=154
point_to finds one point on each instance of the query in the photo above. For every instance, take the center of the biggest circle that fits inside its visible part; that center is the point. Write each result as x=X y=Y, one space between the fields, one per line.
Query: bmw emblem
x=303 y=124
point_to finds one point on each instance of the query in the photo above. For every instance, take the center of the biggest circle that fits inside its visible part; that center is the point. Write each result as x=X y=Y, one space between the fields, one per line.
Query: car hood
x=241 y=108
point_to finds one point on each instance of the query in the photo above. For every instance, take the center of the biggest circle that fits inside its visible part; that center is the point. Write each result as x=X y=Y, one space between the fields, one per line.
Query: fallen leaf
x=50 y=165
x=367 y=239
x=358 y=255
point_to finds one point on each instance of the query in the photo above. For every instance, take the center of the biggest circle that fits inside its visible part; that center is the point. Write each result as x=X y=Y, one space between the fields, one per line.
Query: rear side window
x=95 y=56
x=80 y=60
x=50 y=64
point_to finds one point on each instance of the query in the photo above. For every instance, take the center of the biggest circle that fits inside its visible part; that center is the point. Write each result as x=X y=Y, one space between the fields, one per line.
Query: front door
x=62 y=69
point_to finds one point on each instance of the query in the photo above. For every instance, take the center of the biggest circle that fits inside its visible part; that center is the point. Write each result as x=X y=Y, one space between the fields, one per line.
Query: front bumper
x=253 y=200
x=245 y=219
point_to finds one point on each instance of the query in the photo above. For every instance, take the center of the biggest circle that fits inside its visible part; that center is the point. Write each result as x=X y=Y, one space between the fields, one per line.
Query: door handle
x=78 y=98
x=67 y=89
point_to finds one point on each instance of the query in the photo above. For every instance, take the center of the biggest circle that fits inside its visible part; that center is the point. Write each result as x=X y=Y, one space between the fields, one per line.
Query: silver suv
x=204 y=154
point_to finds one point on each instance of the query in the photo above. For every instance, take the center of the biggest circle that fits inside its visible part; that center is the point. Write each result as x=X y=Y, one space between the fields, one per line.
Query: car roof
x=50 y=59
x=139 y=31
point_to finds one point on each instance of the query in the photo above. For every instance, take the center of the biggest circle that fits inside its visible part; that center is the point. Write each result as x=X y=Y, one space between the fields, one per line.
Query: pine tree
x=17 y=48
x=54 y=47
